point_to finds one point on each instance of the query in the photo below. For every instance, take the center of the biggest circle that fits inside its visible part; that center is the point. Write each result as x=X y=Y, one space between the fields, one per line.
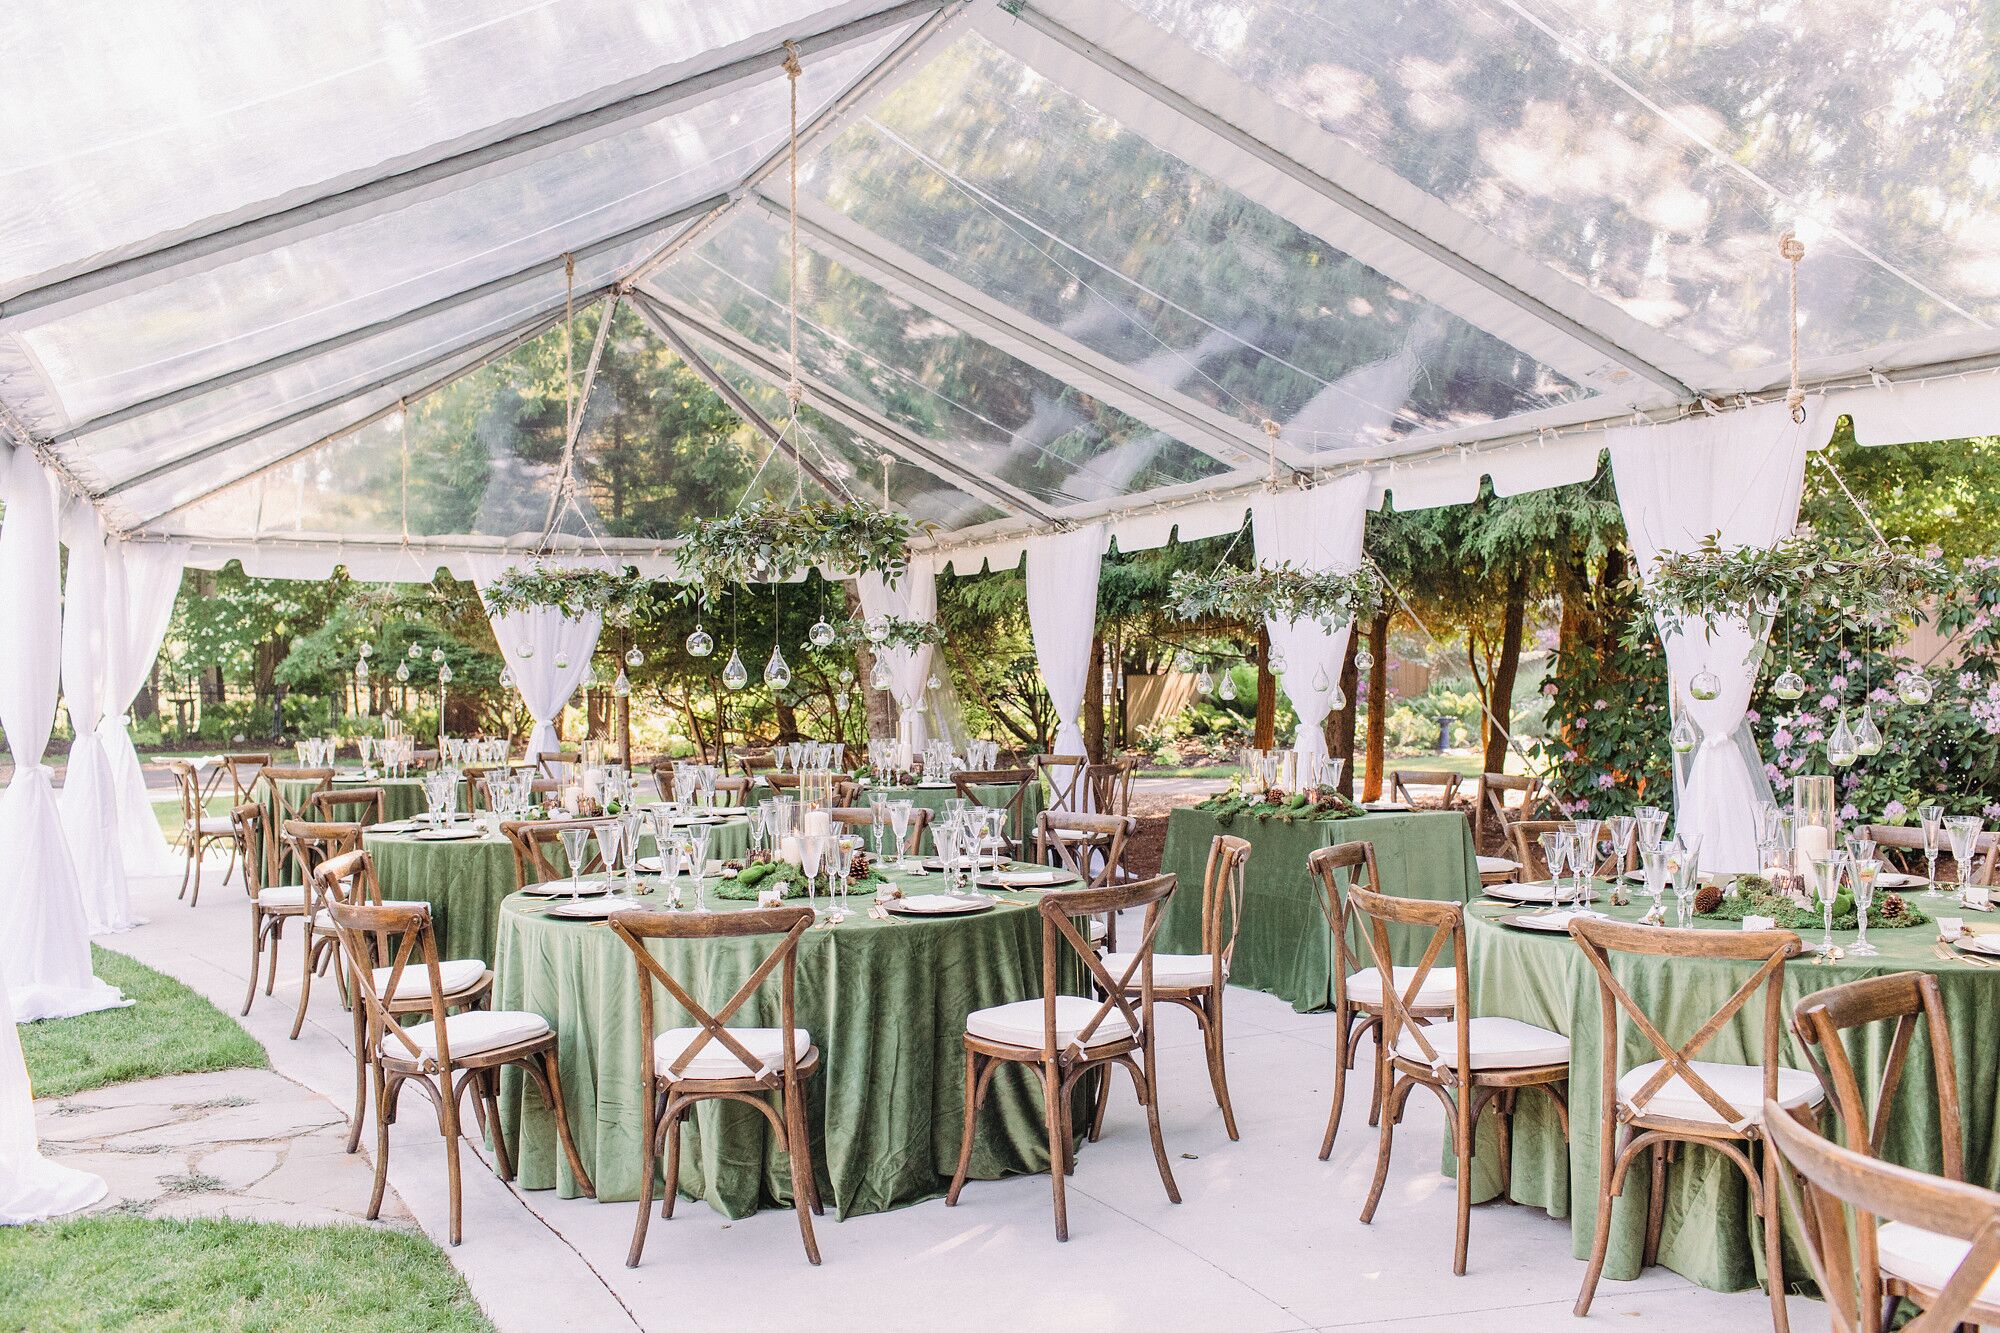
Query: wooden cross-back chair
x=351 y=805
x=1110 y=785
x=1906 y=848
x=1068 y=1036
x=707 y=1060
x=1063 y=775
x=199 y=829
x=845 y=790
x=1091 y=847
x=558 y=764
x=1402 y=779
x=1679 y=1098
x=1012 y=797
x=1468 y=1063
x=1490 y=802
x=1526 y=835
x=311 y=844
x=349 y=877
x=531 y=839
x=1195 y=981
x=448 y=1056
x=271 y=905
x=732 y=792
x=243 y=770
x=281 y=868
x=748 y=763
x=478 y=796
x=862 y=817
x=1896 y=1264
x=1946 y=1230
x=1357 y=994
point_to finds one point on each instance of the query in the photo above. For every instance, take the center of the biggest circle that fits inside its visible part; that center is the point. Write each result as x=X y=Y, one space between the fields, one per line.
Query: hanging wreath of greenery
x=1281 y=591
x=1805 y=573
x=889 y=632
x=767 y=542
x=572 y=590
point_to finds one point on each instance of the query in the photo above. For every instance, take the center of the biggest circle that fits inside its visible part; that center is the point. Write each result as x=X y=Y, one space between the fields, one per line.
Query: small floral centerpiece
x=768 y=542
x=574 y=591
x=1757 y=896
x=1275 y=803
x=1280 y=591
x=762 y=876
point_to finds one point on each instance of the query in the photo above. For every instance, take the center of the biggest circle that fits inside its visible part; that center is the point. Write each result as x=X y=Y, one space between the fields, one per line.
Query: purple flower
x=1967 y=681
x=1879 y=695
x=1846 y=655
x=1848 y=813
x=1752 y=715
x=1773 y=772
x=1600 y=705
x=1582 y=722
x=1815 y=737
x=1782 y=739
x=1606 y=780
x=1838 y=683
x=1829 y=701
x=1894 y=810
x=1549 y=689
x=1993 y=811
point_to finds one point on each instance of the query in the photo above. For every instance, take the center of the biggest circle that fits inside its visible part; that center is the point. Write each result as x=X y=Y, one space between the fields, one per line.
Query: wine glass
x=760 y=822
x=1864 y=875
x=1933 y=822
x=1687 y=879
x=1552 y=857
x=899 y=824
x=878 y=815
x=1654 y=861
x=1963 y=831
x=1620 y=830
x=574 y=840
x=1859 y=845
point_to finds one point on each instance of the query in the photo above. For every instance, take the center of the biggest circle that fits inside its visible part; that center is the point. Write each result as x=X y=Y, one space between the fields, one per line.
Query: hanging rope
x=569 y=336
x=794 y=390
x=1271 y=450
x=1793 y=249
x=403 y=416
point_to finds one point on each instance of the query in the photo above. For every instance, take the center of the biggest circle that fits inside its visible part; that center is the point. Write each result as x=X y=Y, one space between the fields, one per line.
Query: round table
x=1710 y=1233
x=465 y=881
x=885 y=1002
x=935 y=797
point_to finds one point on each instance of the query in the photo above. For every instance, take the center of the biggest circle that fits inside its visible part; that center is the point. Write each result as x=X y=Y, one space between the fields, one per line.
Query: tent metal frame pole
x=1227 y=440
x=1354 y=205
x=525 y=331
x=737 y=402
x=543 y=323
x=330 y=204
x=492 y=286
x=817 y=127
x=838 y=407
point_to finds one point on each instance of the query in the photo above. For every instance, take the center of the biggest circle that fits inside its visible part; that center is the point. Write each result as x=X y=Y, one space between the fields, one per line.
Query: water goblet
x=1864 y=874
x=574 y=840
x=1932 y=817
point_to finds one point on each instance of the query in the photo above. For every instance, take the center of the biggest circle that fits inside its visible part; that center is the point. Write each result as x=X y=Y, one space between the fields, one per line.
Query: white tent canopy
x=1064 y=260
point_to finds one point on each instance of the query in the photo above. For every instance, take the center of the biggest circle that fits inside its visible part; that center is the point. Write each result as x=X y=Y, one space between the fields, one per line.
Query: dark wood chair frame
x=267 y=920
x=193 y=842
x=327 y=807
x=1400 y=780
x=1526 y=836
x=528 y=837
x=274 y=774
x=313 y=843
x=1018 y=780
x=1490 y=802
x=1089 y=846
x=861 y=817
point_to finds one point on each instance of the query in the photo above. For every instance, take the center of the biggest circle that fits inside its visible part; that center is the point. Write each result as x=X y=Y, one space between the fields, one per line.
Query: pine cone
x=1274 y=796
x=861 y=867
x=759 y=857
x=1707 y=899
x=1891 y=907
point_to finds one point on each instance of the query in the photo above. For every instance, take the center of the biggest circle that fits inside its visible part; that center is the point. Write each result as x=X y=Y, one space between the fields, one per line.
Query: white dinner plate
x=1988 y=945
x=1896 y=879
x=1026 y=879
x=938 y=904
x=569 y=888
x=985 y=862
x=1555 y=923
x=588 y=909
x=355 y=778
x=1497 y=865
x=936 y=786
x=1524 y=893
x=444 y=834
x=395 y=826
x=1387 y=807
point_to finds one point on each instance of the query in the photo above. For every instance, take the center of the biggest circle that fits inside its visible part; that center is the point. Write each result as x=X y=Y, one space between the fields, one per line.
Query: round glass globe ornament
x=527 y=651
x=1204 y=684
x=699 y=644
x=437 y=657
x=734 y=674
x=634 y=658
x=1705 y=685
x=1914 y=689
x=1363 y=660
x=416 y=651
x=878 y=631
x=367 y=651
x=776 y=673
x=1789 y=685
x=933 y=682
x=821 y=634
x=1277 y=663
x=847 y=675
x=562 y=662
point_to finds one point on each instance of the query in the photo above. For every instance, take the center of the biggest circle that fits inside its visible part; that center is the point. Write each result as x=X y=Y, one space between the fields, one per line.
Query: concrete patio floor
x=1266 y=1240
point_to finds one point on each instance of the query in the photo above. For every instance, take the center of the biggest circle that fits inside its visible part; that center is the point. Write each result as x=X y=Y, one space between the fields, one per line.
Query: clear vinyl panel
x=265 y=304
x=126 y=121
x=1652 y=151
x=976 y=404
x=1000 y=178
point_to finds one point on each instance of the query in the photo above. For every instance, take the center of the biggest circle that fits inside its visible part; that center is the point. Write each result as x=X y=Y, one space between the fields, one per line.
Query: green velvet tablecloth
x=402 y=798
x=1710 y=1234
x=885 y=1002
x=1285 y=946
x=934 y=799
x=464 y=882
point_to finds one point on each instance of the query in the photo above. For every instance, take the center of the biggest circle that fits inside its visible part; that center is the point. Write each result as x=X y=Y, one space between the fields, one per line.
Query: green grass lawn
x=168 y=1030
x=119 y=1272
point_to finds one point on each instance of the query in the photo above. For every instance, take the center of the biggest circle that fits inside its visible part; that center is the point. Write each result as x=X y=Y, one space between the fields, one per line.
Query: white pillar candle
x=817 y=823
x=788 y=848
x=1811 y=843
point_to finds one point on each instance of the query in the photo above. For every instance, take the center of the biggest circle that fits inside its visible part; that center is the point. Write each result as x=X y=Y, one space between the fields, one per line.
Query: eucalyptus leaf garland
x=887 y=632
x=574 y=591
x=1805 y=573
x=768 y=542
x=1281 y=591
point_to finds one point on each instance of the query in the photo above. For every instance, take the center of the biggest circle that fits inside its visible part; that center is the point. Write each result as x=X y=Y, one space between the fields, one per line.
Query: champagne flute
x=812 y=850
x=1552 y=858
x=1933 y=822
x=1654 y=861
x=899 y=825
x=574 y=840
x=611 y=846
x=1687 y=879
x=1864 y=873
x=1826 y=872
x=1963 y=830
x=839 y=862
x=878 y=815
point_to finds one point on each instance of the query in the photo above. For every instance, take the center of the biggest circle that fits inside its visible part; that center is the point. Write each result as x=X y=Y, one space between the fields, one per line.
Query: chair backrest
x=1006 y=789
x=1059 y=913
x=1064 y=776
x=1110 y=785
x=477 y=795
x=1491 y=798
x=1442 y=925
x=1907 y=844
x=1769 y=949
x=1081 y=841
x=313 y=842
x=1402 y=779
x=1222 y=894
x=863 y=817
x=1357 y=860
x=731 y=792
x=243 y=770
x=788 y=924
x=361 y=805
x=288 y=808
x=1822 y=1180
x=558 y=763
x=752 y=762
x=187 y=778
x=531 y=839
x=396 y=936
x=1526 y=835
x=253 y=848
x=348 y=877
x=1822 y=1021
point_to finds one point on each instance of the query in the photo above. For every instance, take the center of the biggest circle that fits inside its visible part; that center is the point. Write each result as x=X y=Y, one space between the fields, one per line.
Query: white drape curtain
x=1318 y=529
x=1062 y=617
x=89 y=802
x=31 y=1186
x=912 y=597
x=1738 y=475
x=44 y=942
x=141 y=581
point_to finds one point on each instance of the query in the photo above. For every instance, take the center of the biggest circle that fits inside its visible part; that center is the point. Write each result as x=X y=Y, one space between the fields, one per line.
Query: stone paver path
x=245 y=1143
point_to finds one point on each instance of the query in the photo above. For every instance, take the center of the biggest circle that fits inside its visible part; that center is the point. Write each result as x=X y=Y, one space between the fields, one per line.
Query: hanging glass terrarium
x=1840 y=746
x=1277 y=663
x=877 y=630
x=1204 y=684
x=821 y=634
x=444 y=675
x=1789 y=685
x=403 y=671
x=1706 y=685
x=506 y=679
x=879 y=678
x=734 y=674
x=1227 y=690
x=1684 y=736
x=1914 y=689
x=1867 y=736
x=699 y=644
x=777 y=674
x=1363 y=660
x=634 y=658
x=622 y=687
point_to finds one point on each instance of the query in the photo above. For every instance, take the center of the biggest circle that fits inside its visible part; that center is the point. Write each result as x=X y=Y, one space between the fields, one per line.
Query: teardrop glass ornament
x=1364 y=660
x=1789 y=685
x=1705 y=685
x=1914 y=690
x=1204 y=684
x=1338 y=699
x=1321 y=684
x=1840 y=751
x=361 y=671
x=634 y=658
x=1867 y=736
x=1278 y=663
x=879 y=678
x=1684 y=736
x=506 y=679
x=622 y=687
x=699 y=644
x=776 y=673
x=1227 y=690
x=402 y=671
x=527 y=651
x=734 y=674
x=562 y=662
x=821 y=634
x=444 y=675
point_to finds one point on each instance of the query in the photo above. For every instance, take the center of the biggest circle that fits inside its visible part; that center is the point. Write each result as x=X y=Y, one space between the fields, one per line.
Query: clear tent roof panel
x=213 y=322
x=1651 y=152
x=1002 y=417
x=985 y=170
x=123 y=122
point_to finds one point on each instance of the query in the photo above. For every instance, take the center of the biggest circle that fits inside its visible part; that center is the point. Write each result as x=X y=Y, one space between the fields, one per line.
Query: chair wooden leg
x=672 y=1189
x=971 y=1121
x=454 y=1180
x=1503 y=1107
x=1770 y=1217
x=1600 y=1243
x=488 y=1091
x=800 y=1153
x=1053 y=1107
x=555 y=1096
x=195 y=897
x=274 y=935
x=256 y=954
x=795 y=1124
x=1656 y=1207
x=1102 y=1099
x=188 y=847
x=1343 y=1055
x=1382 y=1080
x=381 y=1141
x=361 y=1066
x=1211 y=1038
x=1462 y=1131
x=1388 y=1106
x=305 y=982
x=1150 y=1092
x=649 y=1157
x=230 y=869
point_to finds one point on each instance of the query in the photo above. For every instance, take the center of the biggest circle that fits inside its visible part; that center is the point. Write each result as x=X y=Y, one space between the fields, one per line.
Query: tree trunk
x=788 y=720
x=1340 y=723
x=1500 y=700
x=1093 y=702
x=1378 y=706
x=1266 y=737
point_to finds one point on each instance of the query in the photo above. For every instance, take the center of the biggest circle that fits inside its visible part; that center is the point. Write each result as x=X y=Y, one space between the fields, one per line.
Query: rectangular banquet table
x=1710 y=1235
x=1285 y=946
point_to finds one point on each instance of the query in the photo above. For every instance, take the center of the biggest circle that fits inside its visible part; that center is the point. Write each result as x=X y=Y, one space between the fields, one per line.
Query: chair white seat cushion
x=415 y=983
x=1096 y=929
x=1496 y=1043
x=1020 y=1023
x=282 y=895
x=1742 y=1086
x=1926 y=1258
x=214 y=826
x=323 y=921
x=1497 y=865
x=1439 y=991
x=1171 y=971
x=766 y=1046
x=469 y=1033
